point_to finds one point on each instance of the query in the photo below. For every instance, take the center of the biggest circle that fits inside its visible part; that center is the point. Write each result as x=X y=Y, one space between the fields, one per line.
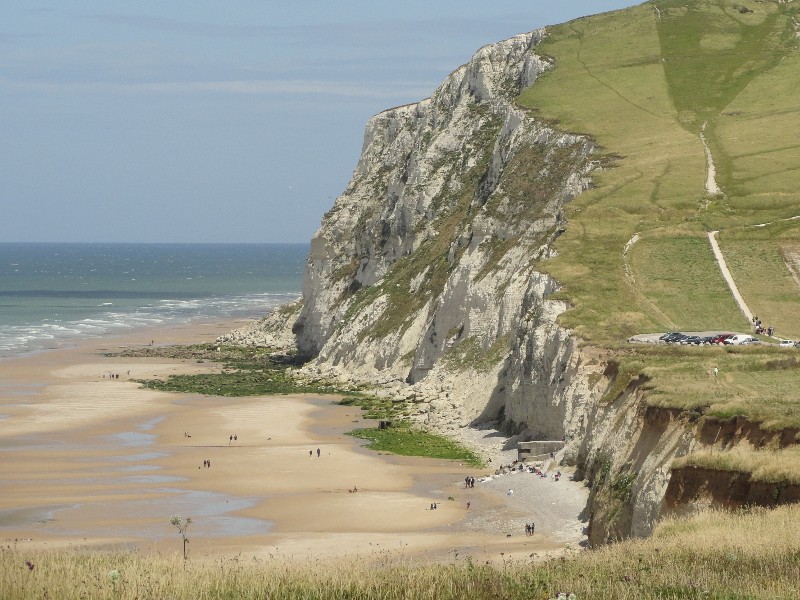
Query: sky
x=201 y=121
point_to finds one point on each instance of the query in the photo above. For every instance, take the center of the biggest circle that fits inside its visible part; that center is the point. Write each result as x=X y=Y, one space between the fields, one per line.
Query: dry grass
x=757 y=383
x=764 y=465
x=714 y=555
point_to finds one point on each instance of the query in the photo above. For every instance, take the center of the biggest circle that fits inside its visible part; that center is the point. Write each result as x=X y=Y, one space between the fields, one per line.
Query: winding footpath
x=712 y=239
x=632 y=282
x=712 y=188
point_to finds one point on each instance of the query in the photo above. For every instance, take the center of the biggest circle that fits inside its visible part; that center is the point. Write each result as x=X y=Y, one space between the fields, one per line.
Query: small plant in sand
x=114 y=575
x=182 y=525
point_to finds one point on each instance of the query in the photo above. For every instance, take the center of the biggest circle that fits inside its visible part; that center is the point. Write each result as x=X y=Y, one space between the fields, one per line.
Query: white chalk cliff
x=426 y=267
x=426 y=278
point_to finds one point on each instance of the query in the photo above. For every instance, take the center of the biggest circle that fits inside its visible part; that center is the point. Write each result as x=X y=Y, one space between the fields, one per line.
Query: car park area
x=708 y=338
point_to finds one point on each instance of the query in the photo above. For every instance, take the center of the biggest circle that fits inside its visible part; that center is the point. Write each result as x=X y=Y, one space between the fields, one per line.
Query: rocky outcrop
x=272 y=331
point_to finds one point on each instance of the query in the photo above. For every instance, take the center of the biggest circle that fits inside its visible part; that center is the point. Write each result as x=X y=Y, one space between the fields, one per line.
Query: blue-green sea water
x=54 y=294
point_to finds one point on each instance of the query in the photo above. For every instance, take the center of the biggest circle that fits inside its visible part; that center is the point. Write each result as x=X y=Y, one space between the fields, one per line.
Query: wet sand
x=93 y=461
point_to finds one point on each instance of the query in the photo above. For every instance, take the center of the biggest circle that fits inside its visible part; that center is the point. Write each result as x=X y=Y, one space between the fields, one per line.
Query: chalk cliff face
x=426 y=266
x=426 y=277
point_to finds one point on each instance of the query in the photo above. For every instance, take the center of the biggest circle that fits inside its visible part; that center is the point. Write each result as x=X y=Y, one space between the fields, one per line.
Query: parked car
x=709 y=339
x=750 y=341
x=692 y=339
x=737 y=339
x=672 y=337
x=787 y=344
x=720 y=339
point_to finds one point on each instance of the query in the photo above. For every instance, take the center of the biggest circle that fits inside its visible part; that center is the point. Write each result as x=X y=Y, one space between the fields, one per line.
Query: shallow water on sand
x=119 y=474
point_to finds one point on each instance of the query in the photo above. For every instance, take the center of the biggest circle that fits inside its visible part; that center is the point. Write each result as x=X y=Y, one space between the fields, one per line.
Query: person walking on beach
x=310 y=453
x=317 y=452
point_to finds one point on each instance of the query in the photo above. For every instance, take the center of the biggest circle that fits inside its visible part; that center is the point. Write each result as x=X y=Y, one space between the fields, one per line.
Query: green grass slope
x=645 y=82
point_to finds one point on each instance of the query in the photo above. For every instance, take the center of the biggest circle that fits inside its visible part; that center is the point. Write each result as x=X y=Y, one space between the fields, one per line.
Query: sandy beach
x=90 y=459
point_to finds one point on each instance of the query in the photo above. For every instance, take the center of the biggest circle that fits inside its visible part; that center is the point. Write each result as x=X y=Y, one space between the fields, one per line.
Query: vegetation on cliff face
x=468 y=355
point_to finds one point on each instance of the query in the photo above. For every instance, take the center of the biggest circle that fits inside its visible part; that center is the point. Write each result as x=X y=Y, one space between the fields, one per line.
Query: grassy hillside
x=644 y=82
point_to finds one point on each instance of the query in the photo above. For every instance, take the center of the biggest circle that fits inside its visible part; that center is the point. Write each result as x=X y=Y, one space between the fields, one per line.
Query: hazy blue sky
x=191 y=121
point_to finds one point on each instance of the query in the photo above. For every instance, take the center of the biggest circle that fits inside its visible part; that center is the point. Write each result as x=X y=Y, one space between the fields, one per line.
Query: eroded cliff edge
x=426 y=277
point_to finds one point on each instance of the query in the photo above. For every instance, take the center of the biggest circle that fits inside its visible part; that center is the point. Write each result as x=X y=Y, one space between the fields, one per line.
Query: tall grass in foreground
x=714 y=555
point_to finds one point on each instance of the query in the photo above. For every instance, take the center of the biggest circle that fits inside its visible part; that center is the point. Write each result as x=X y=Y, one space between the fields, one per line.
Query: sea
x=54 y=294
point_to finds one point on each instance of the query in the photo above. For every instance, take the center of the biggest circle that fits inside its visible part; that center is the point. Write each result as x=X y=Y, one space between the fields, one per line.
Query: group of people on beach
x=206 y=464
x=520 y=467
x=469 y=482
x=530 y=528
x=232 y=438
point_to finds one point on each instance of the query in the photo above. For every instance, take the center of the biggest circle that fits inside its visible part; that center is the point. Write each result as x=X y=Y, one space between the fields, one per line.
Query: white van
x=739 y=339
